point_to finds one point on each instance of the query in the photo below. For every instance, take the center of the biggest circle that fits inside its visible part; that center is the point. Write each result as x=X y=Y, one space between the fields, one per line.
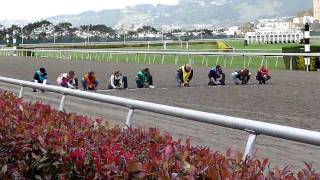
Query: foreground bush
x=38 y=142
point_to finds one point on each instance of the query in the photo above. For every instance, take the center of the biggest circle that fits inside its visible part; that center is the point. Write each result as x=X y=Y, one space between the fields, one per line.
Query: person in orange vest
x=89 y=81
x=184 y=75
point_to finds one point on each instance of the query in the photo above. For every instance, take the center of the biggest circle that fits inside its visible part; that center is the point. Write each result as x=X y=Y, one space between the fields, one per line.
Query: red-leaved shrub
x=38 y=142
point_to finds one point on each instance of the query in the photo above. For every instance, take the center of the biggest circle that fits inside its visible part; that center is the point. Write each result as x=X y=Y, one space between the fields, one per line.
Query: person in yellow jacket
x=184 y=75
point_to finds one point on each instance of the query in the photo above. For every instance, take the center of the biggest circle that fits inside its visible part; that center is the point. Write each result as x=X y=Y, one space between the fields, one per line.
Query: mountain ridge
x=189 y=12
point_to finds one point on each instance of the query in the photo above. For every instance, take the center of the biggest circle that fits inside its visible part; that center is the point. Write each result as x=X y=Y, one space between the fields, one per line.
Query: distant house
x=232 y=31
x=149 y=35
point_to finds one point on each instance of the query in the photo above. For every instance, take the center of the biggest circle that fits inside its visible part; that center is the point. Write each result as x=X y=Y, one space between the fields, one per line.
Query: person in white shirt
x=117 y=81
x=68 y=80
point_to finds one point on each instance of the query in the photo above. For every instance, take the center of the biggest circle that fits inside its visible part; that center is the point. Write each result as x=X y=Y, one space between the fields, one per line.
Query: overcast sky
x=37 y=9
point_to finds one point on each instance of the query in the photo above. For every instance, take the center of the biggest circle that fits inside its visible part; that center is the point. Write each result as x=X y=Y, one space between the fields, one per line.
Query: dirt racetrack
x=291 y=98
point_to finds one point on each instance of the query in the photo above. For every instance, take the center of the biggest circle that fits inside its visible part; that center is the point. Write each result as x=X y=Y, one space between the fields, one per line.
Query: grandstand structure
x=316 y=10
x=274 y=37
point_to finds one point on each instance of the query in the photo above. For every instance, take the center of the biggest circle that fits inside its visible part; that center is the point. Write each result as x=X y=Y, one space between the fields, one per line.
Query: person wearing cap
x=216 y=76
x=242 y=76
x=68 y=80
x=144 y=79
x=117 y=81
x=40 y=76
x=184 y=75
x=89 y=81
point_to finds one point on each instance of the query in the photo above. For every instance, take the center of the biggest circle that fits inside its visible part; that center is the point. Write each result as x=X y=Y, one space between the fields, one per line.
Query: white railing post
x=63 y=99
x=249 y=62
x=207 y=61
x=162 y=60
x=231 y=62
x=154 y=58
x=21 y=92
x=291 y=63
x=135 y=58
x=250 y=147
x=129 y=118
x=262 y=60
x=203 y=59
x=176 y=60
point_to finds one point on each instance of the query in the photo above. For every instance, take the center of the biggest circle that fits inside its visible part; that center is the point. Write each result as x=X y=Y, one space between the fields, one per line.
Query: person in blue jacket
x=216 y=76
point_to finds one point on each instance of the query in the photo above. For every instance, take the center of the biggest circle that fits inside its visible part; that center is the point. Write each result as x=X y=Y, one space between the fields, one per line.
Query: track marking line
x=135 y=89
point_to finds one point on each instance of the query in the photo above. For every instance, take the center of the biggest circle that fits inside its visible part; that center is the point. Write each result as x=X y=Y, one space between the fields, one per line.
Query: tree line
x=44 y=30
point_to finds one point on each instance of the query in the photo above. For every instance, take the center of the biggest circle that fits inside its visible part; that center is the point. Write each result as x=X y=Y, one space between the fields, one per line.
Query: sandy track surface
x=291 y=98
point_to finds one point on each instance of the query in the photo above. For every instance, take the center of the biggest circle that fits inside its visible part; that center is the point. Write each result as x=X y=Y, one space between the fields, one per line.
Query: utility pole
x=14 y=43
x=22 y=35
x=307 y=48
x=8 y=41
x=88 y=34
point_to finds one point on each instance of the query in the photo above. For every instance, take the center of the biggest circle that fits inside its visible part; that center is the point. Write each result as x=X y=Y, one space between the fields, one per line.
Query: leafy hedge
x=298 y=62
x=38 y=142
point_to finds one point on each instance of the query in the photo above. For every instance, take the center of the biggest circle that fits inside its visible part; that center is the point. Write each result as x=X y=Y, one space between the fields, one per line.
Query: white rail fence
x=254 y=128
x=150 y=56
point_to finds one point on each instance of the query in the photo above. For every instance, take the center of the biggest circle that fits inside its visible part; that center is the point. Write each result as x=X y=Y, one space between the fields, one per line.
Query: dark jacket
x=214 y=73
x=37 y=76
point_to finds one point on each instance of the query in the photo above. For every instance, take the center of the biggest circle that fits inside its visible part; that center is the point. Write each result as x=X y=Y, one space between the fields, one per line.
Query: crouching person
x=144 y=79
x=68 y=80
x=117 y=81
x=89 y=81
x=242 y=76
x=184 y=75
x=216 y=76
x=263 y=75
x=40 y=76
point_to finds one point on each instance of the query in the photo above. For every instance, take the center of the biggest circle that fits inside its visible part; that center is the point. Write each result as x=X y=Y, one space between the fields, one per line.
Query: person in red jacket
x=263 y=75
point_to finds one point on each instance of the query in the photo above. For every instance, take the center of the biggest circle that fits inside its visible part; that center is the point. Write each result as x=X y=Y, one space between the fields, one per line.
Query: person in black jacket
x=184 y=75
x=40 y=76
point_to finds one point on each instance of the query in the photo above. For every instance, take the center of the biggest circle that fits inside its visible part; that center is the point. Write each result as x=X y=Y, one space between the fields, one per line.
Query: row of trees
x=46 y=31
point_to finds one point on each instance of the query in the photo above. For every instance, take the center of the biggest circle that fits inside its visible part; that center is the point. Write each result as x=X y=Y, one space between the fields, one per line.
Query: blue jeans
x=237 y=81
x=234 y=78
x=178 y=81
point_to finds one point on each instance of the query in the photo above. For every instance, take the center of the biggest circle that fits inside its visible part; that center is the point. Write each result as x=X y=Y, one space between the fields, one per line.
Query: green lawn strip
x=209 y=61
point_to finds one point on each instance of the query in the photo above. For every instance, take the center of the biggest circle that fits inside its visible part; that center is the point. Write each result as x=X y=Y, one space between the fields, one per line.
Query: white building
x=290 y=36
x=234 y=30
x=276 y=31
x=316 y=10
